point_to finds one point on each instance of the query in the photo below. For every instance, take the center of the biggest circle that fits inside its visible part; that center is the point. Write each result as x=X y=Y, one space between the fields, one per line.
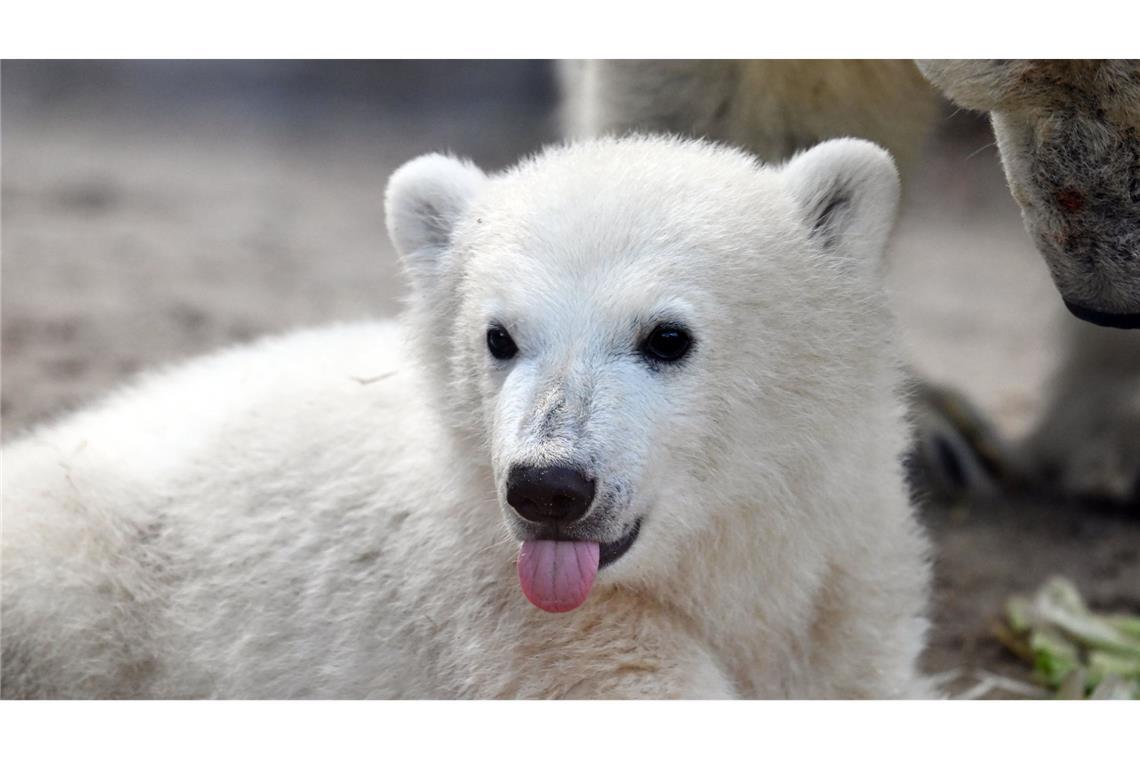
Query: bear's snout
x=551 y=494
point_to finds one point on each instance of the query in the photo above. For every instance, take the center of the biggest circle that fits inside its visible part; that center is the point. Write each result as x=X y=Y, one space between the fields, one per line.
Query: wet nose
x=549 y=494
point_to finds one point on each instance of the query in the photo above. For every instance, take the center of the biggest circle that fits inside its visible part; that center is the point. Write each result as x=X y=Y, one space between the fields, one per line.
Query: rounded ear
x=847 y=191
x=423 y=202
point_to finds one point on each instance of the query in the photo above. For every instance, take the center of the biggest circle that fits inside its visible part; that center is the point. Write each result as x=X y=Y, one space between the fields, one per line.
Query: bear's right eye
x=667 y=343
x=500 y=344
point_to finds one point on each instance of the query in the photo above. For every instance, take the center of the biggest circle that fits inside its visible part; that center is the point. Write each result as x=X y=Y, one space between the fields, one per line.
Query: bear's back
x=215 y=515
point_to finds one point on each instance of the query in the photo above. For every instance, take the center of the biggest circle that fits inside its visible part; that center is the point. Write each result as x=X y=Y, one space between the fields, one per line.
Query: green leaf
x=1053 y=656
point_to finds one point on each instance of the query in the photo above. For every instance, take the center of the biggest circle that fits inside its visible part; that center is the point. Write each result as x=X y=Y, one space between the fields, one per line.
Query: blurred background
x=152 y=211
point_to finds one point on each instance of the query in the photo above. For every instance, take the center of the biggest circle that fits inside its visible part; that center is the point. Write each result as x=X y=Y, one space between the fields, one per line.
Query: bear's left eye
x=500 y=343
x=667 y=343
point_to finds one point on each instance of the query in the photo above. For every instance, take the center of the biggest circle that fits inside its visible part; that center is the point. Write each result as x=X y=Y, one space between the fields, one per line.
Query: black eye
x=667 y=343
x=500 y=344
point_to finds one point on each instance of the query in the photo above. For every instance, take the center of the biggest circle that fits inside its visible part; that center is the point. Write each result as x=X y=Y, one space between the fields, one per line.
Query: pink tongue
x=556 y=576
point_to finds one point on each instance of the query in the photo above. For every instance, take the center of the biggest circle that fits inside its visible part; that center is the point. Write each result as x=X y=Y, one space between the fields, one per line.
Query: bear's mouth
x=608 y=553
x=613 y=551
x=556 y=575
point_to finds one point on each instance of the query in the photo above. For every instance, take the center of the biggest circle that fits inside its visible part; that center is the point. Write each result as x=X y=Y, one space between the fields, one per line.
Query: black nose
x=549 y=494
x=1104 y=318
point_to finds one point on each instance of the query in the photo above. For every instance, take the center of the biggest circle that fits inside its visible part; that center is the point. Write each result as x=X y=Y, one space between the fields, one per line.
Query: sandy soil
x=145 y=223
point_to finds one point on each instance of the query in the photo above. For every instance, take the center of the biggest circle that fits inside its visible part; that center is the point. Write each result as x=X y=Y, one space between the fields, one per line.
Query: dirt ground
x=153 y=213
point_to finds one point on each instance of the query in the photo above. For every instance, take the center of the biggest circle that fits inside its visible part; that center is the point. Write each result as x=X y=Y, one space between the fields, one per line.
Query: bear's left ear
x=423 y=202
x=848 y=193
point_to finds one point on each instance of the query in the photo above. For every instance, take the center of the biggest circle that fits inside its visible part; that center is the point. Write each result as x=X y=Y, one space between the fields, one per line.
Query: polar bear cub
x=637 y=435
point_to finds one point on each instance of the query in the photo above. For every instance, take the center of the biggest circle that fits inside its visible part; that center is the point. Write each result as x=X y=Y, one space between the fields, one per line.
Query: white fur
x=321 y=515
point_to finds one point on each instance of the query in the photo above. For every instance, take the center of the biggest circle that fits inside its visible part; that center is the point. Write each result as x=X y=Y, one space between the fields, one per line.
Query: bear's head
x=1069 y=136
x=648 y=338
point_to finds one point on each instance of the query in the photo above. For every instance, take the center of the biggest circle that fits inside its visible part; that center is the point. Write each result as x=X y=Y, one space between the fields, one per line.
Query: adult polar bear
x=673 y=362
x=1069 y=136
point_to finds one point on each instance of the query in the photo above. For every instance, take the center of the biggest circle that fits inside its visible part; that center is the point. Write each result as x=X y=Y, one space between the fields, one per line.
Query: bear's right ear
x=847 y=191
x=423 y=202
